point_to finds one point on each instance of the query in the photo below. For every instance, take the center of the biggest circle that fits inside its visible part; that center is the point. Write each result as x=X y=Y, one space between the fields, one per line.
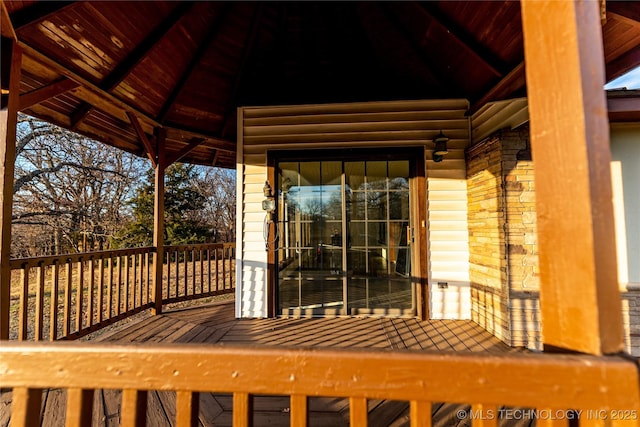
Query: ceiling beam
x=471 y=45
x=46 y=92
x=37 y=12
x=202 y=49
x=126 y=66
x=246 y=53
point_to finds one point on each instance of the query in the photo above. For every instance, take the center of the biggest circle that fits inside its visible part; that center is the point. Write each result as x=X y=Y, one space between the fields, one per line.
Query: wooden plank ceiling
x=97 y=67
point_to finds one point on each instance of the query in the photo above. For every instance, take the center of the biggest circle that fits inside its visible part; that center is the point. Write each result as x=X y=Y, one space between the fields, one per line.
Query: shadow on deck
x=215 y=324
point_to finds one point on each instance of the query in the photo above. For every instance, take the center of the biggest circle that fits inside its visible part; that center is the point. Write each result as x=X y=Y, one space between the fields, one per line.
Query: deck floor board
x=215 y=323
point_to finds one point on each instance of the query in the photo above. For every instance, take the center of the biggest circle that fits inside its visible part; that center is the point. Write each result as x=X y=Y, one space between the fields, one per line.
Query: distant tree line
x=73 y=194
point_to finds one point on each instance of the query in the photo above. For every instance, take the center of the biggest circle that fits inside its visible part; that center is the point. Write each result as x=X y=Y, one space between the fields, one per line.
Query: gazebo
x=352 y=127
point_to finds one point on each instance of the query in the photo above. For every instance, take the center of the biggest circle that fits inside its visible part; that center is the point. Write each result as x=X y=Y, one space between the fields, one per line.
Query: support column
x=158 y=220
x=579 y=297
x=11 y=68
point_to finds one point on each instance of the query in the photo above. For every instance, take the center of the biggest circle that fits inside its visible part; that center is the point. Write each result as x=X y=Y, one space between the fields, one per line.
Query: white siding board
x=359 y=125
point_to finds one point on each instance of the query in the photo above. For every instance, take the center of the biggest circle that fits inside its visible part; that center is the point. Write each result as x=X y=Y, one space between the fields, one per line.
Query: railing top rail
x=63 y=258
x=198 y=246
x=529 y=380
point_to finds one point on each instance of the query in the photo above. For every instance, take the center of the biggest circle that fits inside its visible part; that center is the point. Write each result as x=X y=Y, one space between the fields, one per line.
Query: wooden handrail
x=75 y=294
x=558 y=382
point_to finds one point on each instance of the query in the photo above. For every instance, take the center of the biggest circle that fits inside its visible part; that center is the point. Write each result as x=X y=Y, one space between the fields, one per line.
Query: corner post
x=158 y=220
x=579 y=296
x=8 y=121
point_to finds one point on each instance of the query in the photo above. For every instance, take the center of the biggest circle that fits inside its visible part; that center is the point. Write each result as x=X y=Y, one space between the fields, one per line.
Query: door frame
x=418 y=213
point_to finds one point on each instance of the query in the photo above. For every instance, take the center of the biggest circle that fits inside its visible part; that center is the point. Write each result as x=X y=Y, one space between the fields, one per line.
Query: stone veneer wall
x=503 y=248
x=502 y=238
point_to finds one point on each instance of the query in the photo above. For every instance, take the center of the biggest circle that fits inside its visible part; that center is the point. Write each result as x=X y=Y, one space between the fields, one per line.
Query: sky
x=631 y=80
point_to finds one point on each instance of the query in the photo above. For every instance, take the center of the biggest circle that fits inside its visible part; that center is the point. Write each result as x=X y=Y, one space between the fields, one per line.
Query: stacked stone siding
x=503 y=248
x=502 y=238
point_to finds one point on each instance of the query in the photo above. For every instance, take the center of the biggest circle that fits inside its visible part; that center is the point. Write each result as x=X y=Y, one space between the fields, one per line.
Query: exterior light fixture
x=441 y=147
x=269 y=203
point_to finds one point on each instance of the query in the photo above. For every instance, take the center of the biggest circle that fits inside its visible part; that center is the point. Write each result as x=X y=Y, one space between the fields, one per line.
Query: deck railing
x=595 y=390
x=198 y=271
x=69 y=296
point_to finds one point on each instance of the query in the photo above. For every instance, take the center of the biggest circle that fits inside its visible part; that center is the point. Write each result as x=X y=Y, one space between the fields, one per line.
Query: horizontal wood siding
x=337 y=126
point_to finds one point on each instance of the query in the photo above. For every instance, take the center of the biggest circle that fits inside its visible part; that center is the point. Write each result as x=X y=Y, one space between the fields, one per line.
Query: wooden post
x=8 y=122
x=158 y=221
x=579 y=297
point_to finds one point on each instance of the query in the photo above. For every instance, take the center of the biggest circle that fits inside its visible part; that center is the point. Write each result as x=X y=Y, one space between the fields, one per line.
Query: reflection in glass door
x=343 y=244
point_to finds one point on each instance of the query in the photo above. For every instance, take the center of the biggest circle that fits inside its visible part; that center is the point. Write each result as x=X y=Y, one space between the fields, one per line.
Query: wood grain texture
x=8 y=121
x=79 y=407
x=518 y=380
x=579 y=295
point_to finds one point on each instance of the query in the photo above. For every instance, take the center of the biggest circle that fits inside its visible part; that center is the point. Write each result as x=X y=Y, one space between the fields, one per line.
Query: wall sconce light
x=269 y=203
x=441 y=147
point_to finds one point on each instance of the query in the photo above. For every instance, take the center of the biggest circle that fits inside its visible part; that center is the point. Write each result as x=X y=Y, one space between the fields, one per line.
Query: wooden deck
x=215 y=324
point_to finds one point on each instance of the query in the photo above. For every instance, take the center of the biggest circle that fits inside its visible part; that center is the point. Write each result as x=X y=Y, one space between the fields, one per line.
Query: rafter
x=508 y=85
x=37 y=12
x=437 y=74
x=202 y=48
x=108 y=103
x=50 y=91
x=628 y=9
x=150 y=151
x=125 y=67
x=246 y=52
x=471 y=45
x=623 y=64
x=6 y=27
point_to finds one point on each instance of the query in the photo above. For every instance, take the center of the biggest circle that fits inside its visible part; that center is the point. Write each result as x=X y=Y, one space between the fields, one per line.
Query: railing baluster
x=134 y=408
x=200 y=254
x=53 y=325
x=79 y=407
x=224 y=267
x=100 y=289
x=118 y=286
x=24 y=303
x=242 y=410
x=40 y=275
x=79 y=294
x=91 y=286
x=193 y=271
x=187 y=408
x=168 y=254
x=215 y=251
x=126 y=283
x=25 y=406
x=299 y=411
x=67 y=299
x=420 y=413
x=484 y=415
x=208 y=270
x=186 y=278
x=134 y=293
x=358 y=411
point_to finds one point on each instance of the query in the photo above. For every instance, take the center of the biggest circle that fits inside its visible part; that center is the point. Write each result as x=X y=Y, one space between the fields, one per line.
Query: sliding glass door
x=344 y=237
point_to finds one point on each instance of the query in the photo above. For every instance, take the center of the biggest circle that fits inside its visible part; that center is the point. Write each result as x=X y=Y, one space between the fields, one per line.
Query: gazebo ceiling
x=101 y=68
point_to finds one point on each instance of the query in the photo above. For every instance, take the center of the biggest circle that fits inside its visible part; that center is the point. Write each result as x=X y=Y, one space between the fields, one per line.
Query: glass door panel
x=342 y=237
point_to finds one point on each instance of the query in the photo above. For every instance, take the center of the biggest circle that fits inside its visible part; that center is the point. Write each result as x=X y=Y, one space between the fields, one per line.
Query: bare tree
x=219 y=187
x=70 y=192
